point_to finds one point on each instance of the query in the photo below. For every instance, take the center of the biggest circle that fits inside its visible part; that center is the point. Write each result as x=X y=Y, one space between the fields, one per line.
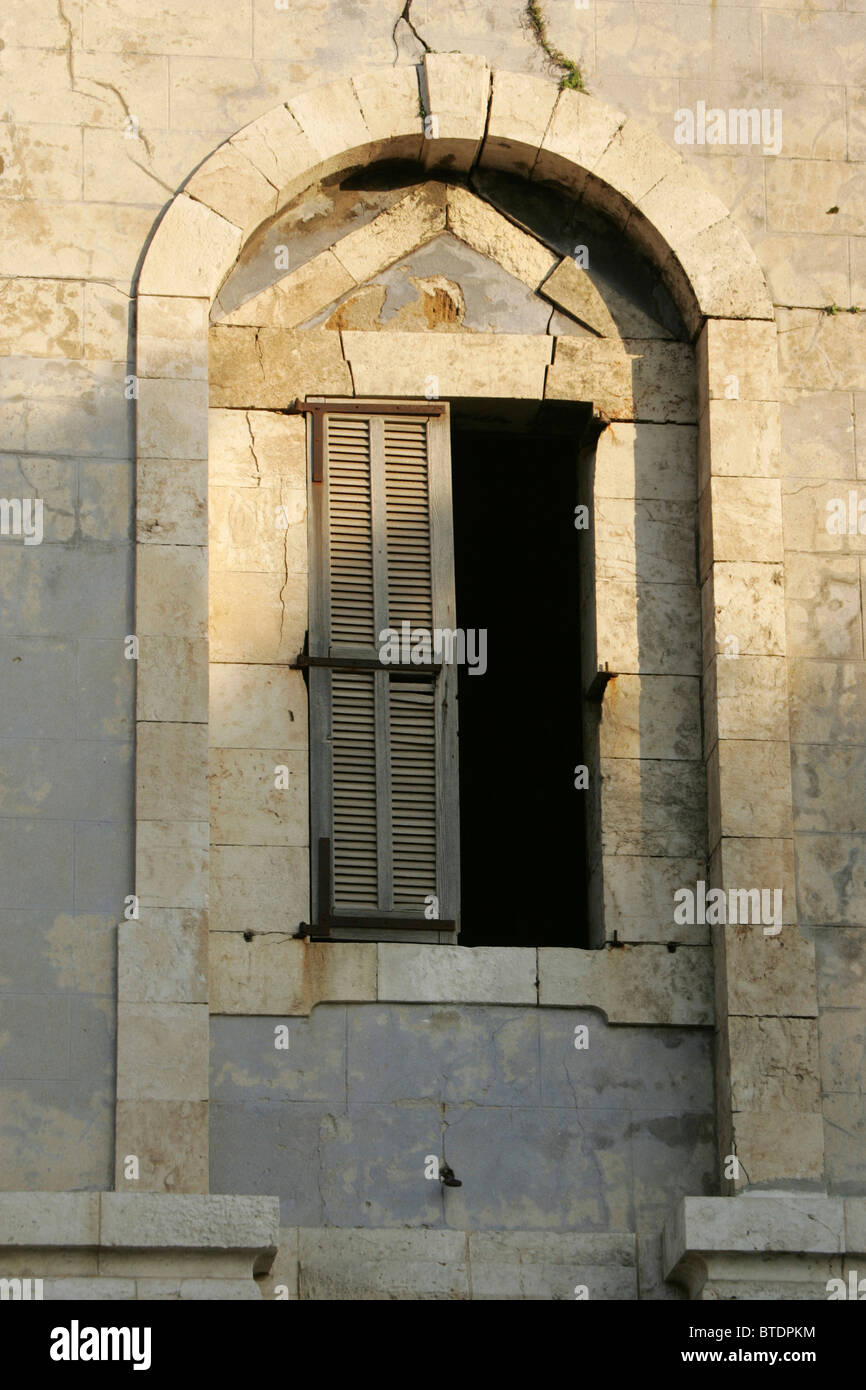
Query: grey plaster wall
x=543 y=1136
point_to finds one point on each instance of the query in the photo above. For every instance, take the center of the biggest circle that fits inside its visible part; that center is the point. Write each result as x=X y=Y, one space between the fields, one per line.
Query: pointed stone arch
x=449 y=116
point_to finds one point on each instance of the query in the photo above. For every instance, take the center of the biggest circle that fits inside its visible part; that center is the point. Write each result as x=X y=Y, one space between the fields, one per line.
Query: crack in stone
x=405 y=16
x=253 y=450
x=97 y=82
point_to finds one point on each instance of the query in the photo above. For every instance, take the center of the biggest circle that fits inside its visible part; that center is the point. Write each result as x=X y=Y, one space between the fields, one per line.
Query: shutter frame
x=384 y=923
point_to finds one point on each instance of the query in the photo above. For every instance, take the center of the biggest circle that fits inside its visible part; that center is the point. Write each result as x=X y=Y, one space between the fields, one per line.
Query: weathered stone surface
x=331 y=119
x=171 y=863
x=644 y=541
x=172 y=591
x=258 y=530
x=406 y=224
x=257 y=618
x=170 y=1140
x=646 y=461
x=774 y=1064
x=389 y=103
x=828 y=786
x=456 y=974
x=827 y=453
x=754 y=1222
x=171 y=419
x=651 y=717
x=171 y=337
x=492 y=235
x=42 y=317
x=271 y=367
x=458 y=95
x=746 y=697
x=232 y=186
x=626 y=380
x=171 y=501
x=831 y=877
x=778 y=1146
x=822 y=352
x=650 y=629
x=740 y=439
x=759 y=862
x=246 y=806
x=767 y=976
x=521 y=108
x=275 y=145
x=171 y=771
x=743 y=609
x=510 y=1265
x=753 y=794
x=281 y=1280
x=653 y=807
x=480 y=364
x=251 y=705
x=191 y=251
x=49 y=1218
x=296 y=296
x=631 y=984
x=639 y=898
x=570 y=288
x=207 y=1221
x=822 y=516
x=576 y=138
x=162 y=1051
x=163 y=958
x=634 y=161
x=272 y=974
x=824 y=606
x=382 y=1264
x=259 y=888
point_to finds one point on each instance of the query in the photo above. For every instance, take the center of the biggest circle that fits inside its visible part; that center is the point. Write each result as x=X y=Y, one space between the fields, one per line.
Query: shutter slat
x=413 y=795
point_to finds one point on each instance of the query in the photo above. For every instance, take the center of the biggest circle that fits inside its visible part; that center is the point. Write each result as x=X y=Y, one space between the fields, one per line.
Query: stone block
x=639 y=898
x=247 y=808
x=171 y=419
x=831 y=879
x=774 y=1065
x=829 y=787
x=248 y=1065
x=821 y=352
x=828 y=452
x=596 y=370
x=842 y=1044
x=191 y=251
x=753 y=794
x=458 y=96
x=634 y=161
x=490 y=234
x=646 y=461
x=739 y=439
x=258 y=530
x=855 y=1225
x=277 y=147
x=643 y=984
x=281 y=1280
x=148 y=1221
x=455 y=974
x=171 y=860
x=251 y=705
x=544 y=1265
x=35 y=1219
x=331 y=119
x=745 y=698
x=741 y=520
x=171 y=772
x=409 y=223
x=653 y=806
x=780 y=1146
x=42 y=318
x=739 y=357
x=743 y=608
x=172 y=501
x=822 y=516
x=579 y=132
x=172 y=680
x=647 y=629
x=171 y=337
x=270 y=367
x=521 y=108
x=844 y=1131
x=644 y=541
x=764 y=863
x=170 y=1140
x=480 y=364
x=259 y=888
x=389 y=101
x=678 y=207
x=163 y=958
x=759 y=1222
x=824 y=606
x=232 y=186
x=257 y=618
x=162 y=1051
x=361 y=1265
x=297 y=296
x=839 y=953
x=570 y=288
x=722 y=275
x=653 y=717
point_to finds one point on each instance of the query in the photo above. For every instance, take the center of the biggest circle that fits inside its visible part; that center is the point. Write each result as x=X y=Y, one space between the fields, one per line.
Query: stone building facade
x=210 y=1088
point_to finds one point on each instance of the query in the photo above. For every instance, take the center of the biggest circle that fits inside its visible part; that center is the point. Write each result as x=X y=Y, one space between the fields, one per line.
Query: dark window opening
x=523 y=850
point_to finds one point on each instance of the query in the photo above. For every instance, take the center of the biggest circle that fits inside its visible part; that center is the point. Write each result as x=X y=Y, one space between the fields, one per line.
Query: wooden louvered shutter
x=383 y=738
